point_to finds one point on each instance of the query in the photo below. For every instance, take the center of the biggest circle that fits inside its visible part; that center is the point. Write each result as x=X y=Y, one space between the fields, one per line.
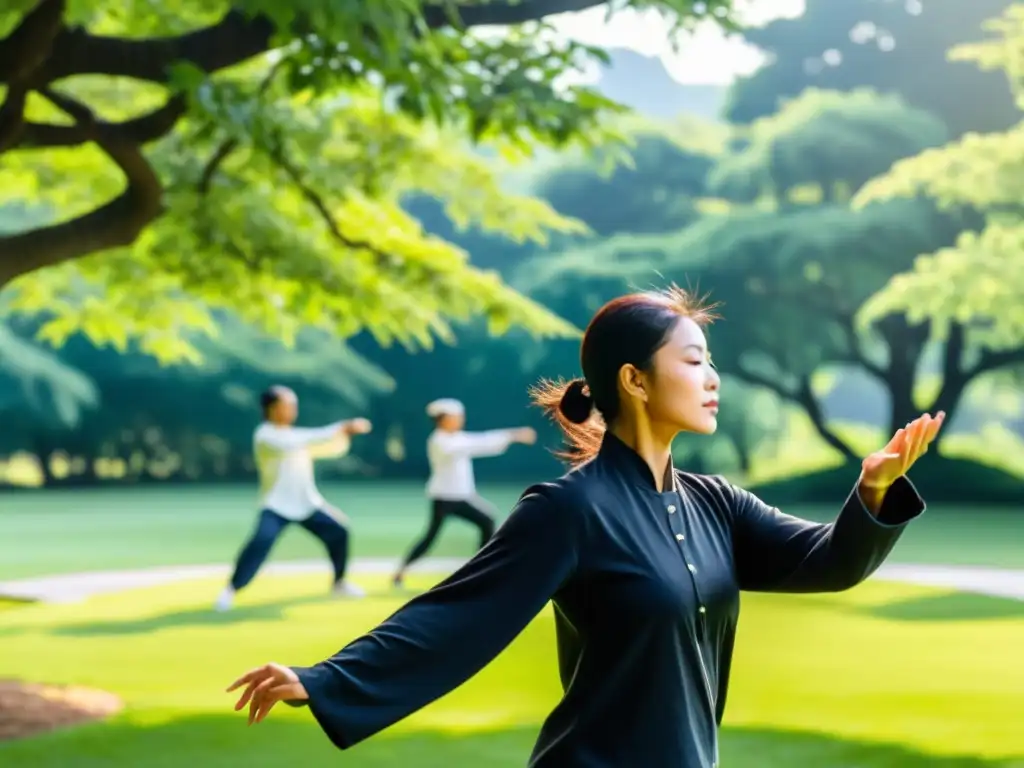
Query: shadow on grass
x=206 y=616
x=224 y=741
x=950 y=606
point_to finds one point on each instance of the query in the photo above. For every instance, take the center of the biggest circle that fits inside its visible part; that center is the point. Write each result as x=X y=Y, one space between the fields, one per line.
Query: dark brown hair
x=270 y=396
x=628 y=330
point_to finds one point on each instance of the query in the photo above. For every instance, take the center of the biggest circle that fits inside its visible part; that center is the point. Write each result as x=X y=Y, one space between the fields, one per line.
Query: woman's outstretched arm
x=439 y=639
x=775 y=552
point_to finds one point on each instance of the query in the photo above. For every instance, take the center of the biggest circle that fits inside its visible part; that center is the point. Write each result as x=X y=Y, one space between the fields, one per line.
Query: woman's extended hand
x=882 y=468
x=265 y=686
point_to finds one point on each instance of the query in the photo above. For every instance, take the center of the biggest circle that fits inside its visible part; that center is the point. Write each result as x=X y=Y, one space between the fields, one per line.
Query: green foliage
x=792 y=271
x=834 y=142
x=37 y=386
x=789 y=281
x=315 y=363
x=196 y=421
x=283 y=184
x=979 y=280
x=654 y=187
x=284 y=250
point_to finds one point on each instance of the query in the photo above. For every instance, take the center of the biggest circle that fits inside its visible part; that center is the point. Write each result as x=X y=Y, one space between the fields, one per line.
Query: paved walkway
x=79 y=586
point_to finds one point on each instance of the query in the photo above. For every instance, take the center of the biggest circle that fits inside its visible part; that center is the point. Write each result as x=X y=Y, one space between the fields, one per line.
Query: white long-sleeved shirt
x=451 y=457
x=284 y=461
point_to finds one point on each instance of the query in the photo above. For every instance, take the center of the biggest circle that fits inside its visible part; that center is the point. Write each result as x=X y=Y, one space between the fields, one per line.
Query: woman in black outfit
x=644 y=564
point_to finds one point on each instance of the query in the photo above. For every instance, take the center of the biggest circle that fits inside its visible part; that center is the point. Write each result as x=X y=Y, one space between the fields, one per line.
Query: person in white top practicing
x=284 y=457
x=452 y=486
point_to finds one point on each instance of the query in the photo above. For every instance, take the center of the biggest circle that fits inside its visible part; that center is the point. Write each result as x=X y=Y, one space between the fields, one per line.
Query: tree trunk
x=743 y=455
x=900 y=383
x=954 y=379
x=906 y=344
x=805 y=397
x=43 y=449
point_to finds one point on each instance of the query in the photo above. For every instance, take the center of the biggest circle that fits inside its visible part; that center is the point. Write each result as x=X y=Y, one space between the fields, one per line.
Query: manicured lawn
x=43 y=532
x=886 y=676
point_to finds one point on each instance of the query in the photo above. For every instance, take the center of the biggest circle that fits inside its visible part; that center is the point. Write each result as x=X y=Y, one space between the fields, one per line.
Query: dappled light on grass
x=851 y=665
x=219 y=741
x=880 y=676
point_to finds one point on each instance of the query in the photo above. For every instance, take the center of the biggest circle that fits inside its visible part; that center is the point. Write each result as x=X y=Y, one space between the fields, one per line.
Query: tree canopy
x=792 y=261
x=830 y=141
x=975 y=286
x=253 y=156
x=654 y=187
x=36 y=386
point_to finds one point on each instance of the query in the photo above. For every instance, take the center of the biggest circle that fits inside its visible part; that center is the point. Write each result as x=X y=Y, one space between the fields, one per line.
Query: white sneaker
x=348 y=589
x=225 y=601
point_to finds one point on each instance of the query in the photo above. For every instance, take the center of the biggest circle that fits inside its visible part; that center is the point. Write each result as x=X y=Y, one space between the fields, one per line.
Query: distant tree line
x=773 y=213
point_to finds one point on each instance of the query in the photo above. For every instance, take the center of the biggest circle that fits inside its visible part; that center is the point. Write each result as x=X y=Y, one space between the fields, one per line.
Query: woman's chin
x=706 y=426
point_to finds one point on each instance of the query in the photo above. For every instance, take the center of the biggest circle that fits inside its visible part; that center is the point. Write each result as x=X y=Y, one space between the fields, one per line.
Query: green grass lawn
x=885 y=676
x=43 y=532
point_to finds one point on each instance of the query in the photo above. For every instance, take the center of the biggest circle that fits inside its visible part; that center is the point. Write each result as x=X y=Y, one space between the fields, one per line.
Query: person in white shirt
x=452 y=486
x=284 y=457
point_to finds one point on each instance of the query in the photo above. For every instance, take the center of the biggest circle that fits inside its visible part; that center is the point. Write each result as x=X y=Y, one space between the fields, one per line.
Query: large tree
x=254 y=155
x=891 y=47
x=971 y=291
x=793 y=263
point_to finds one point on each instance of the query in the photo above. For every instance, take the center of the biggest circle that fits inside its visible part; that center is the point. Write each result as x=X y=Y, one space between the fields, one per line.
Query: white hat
x=446 y=406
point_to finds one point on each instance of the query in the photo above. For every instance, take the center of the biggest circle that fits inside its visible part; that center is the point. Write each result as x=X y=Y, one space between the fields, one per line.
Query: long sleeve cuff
x=316 y=680
x=900 y=505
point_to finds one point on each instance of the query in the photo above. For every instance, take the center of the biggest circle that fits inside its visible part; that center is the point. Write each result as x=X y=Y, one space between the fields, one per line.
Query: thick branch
x=857 y=355
x=140 y=130
x=116 y=224
x=803 y=396
x=313 y=198
x=906 y=345
x=956 y=378
x=763 y=381
x=213 y=165
x=833 y=305
x=31 y=42
x=992 y=361
x=22 y=53
x=236 y=38
x=223 y=152
x=12 y=117
x=501 y=14
x=232 y=40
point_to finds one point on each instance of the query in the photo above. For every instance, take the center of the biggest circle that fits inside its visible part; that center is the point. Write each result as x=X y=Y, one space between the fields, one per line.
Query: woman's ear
x=631 y=379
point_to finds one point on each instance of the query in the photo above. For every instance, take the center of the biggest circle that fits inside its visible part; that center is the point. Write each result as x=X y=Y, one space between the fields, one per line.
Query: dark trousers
x=271 y=525
x=441 y=509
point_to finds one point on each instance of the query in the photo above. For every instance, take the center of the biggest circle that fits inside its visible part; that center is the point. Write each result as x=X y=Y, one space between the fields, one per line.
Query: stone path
x=72 y=587
x=79 y=586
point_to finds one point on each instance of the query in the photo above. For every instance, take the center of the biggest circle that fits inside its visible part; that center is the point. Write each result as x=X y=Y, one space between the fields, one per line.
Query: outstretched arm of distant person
x=493 y=442
x=340 y=444
x=285 y=438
